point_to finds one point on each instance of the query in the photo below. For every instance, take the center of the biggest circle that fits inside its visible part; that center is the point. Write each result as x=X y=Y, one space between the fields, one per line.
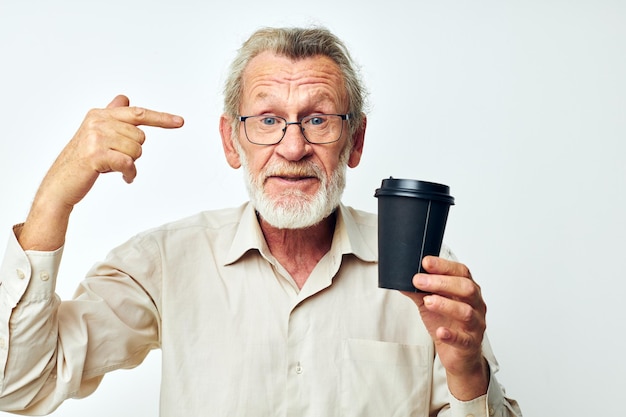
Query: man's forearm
x=45 y=226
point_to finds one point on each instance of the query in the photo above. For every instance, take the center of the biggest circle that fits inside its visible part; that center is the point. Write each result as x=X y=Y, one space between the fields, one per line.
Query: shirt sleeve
x=27 y=325
x=52 y=350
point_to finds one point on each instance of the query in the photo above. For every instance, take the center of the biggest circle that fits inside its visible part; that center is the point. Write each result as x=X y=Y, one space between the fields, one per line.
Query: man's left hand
x=453 y=310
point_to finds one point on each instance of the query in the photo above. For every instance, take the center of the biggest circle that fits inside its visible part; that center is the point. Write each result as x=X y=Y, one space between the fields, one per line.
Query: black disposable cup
x=412 y=218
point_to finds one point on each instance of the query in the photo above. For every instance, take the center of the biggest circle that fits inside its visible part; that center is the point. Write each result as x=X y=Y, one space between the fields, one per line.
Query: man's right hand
x=108 y=140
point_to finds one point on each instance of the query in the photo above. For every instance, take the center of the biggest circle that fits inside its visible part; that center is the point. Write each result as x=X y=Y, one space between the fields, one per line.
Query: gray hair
x=297 y=43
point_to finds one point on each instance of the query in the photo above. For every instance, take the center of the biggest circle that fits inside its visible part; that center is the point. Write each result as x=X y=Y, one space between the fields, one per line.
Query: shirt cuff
x=28 y=275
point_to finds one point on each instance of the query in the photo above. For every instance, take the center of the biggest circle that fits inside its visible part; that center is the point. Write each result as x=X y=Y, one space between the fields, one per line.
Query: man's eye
x=269 y=121
x=316 y=121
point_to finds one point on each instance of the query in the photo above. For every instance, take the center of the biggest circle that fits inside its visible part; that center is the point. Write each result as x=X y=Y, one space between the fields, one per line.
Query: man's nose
x=294 y=145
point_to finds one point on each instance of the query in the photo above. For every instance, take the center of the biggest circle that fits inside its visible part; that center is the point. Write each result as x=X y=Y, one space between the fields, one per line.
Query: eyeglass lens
x=268 y=130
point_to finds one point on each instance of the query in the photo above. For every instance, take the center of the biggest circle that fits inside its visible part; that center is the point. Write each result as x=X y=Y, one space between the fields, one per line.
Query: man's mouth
x=294 y=177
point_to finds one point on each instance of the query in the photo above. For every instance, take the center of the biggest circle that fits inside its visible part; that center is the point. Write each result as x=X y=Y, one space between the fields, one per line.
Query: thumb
x=119 y=101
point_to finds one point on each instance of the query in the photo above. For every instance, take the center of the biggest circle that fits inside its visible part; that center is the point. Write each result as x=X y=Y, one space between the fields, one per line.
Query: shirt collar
x=351 y=237
x=348 y=237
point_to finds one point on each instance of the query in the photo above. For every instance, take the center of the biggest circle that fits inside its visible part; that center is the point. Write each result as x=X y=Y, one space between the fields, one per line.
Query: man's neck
x=299 y=250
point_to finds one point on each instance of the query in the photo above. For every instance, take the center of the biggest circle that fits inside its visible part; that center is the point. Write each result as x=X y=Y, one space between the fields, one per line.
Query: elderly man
x=268 y=309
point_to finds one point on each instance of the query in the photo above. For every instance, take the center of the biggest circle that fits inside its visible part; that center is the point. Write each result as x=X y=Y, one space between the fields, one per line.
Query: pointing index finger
x=140 y=116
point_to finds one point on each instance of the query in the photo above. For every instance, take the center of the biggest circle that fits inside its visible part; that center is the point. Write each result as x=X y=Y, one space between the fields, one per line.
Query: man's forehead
x=282 y=68
x=270 y=76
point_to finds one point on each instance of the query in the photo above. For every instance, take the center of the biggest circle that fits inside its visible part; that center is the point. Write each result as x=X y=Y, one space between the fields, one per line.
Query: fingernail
x=421 y=279
x=430 y=261
x=445 y=334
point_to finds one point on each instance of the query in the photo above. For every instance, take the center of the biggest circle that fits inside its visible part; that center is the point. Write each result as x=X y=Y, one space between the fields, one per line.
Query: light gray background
x=518 y=105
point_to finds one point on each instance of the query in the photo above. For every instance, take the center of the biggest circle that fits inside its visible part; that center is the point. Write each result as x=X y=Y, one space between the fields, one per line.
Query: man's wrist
x=470 y=385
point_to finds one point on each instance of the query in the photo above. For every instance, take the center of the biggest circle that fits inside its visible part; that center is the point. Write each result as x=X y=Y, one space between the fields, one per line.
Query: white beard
x=294 y=209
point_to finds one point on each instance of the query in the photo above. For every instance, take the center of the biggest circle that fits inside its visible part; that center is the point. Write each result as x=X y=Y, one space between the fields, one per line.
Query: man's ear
x=358 y=138
x=226 y=131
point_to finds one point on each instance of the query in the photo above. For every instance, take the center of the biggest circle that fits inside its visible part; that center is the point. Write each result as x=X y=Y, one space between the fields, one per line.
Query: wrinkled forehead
x=270 y=74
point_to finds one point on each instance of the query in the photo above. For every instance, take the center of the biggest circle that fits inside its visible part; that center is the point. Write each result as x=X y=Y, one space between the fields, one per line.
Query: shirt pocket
x=385 y=379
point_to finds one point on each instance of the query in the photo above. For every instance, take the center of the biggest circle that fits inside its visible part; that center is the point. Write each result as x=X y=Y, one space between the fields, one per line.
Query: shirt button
x=470 y=415
x=299 y=369
x=20 y=274
x=492 y=411
x=3 y=343
x=44 y=276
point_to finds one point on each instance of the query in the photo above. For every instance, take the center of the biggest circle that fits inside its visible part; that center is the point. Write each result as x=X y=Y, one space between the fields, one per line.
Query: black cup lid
x=414 y=188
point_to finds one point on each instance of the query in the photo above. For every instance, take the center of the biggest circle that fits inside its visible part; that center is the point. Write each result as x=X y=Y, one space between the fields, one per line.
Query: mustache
x=293 y=169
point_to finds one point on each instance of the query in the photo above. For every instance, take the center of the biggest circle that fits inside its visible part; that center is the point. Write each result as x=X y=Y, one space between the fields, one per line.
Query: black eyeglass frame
x=344 y=117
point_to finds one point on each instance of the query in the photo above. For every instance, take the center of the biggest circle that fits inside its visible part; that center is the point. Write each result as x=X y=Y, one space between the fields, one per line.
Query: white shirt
x=237 y=336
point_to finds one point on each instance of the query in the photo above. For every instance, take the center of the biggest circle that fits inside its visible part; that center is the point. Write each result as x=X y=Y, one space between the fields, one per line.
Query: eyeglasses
x=316 y=128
